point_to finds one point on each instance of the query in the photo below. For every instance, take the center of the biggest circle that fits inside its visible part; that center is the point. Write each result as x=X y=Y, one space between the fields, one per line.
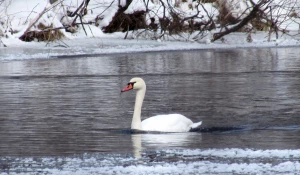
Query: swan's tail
x=196 y=125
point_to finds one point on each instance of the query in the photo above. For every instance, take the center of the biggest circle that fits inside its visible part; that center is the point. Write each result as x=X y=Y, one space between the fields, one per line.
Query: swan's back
x=168 y=123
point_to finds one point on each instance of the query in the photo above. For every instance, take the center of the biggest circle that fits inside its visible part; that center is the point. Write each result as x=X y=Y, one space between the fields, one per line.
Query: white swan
x=162 y=123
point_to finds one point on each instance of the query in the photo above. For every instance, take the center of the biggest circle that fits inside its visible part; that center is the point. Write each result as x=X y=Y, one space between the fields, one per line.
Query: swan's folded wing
x=167 y=123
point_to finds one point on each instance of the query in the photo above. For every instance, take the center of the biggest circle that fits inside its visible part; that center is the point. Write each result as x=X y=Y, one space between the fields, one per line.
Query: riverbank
x=114 y=44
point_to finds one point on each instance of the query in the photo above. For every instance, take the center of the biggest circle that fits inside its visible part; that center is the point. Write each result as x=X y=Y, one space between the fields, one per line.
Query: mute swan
x=162 y=123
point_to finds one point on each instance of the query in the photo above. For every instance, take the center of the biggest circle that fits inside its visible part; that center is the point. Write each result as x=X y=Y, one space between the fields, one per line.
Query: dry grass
x=46 y=33
x=259 y=25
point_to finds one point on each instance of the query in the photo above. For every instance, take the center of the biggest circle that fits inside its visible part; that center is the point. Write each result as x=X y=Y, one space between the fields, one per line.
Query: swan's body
x=162 y=123
x=169 y=123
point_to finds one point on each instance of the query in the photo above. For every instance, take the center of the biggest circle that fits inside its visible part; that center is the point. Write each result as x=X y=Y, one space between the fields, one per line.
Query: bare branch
x=41 y=14
x=252 y=15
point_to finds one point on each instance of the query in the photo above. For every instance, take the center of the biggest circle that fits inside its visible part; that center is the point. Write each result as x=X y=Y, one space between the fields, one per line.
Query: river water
x=69 y=112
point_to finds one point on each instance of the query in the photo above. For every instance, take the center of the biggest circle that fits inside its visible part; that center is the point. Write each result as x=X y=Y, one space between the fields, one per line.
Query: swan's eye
x=131 y=84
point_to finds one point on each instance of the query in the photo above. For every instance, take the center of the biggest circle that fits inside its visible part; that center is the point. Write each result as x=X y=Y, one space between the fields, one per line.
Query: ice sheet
x=209 y=161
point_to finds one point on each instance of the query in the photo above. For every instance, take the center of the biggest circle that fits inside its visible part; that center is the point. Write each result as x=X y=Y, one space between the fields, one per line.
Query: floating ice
x=198 y=161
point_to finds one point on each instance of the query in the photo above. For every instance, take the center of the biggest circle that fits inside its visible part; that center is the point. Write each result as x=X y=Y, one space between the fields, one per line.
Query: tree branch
x=41 y=14
x=252 y=15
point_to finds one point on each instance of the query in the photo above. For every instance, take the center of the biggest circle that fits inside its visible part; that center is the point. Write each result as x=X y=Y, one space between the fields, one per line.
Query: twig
x=196 y=15
x=75 y=12
x=105 y=9
x=84 y=4
x=30 y=13
x=80 y=17
x=126 y=32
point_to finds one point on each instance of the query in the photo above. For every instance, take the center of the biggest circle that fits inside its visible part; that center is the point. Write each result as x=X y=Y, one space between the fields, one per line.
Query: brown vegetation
x=124 y=22
x=172 y=22
x=260 y=25
x=46 y=33
x=225 y=16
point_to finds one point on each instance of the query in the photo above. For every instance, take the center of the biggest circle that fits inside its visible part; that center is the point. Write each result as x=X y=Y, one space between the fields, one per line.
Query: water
x=61 y=111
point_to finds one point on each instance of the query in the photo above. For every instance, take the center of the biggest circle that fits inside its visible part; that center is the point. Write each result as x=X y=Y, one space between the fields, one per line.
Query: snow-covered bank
x=211 y=161
x=14 y=22
x=19 y=50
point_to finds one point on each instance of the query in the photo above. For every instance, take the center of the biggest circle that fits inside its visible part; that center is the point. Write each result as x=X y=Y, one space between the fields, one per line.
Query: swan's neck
x=136 y=120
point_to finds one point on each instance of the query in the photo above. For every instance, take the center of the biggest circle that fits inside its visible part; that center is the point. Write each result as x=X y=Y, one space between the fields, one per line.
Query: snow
x=15 y=21
x=112 y=44
x=210 y=161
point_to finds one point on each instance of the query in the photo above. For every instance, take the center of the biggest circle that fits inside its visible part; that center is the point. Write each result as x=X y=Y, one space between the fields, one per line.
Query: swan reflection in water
x=160 y=141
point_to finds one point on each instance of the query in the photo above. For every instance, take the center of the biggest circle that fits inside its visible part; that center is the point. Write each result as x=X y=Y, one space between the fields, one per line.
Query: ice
x=198 y=161
x=242 y=153
x=112 y=44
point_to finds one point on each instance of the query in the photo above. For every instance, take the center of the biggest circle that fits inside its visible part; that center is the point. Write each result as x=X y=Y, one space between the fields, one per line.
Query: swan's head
x=135 y=83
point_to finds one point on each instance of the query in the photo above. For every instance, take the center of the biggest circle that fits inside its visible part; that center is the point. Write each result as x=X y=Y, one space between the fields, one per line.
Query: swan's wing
x=167 y=123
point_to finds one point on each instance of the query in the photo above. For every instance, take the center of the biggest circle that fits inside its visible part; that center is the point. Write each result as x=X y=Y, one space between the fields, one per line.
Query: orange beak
x=128 y=88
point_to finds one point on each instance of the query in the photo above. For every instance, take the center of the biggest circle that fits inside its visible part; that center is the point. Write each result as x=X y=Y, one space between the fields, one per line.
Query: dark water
x=246 y=98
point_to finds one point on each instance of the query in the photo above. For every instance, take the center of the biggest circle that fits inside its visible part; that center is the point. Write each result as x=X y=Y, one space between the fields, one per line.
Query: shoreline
x=111 y=45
